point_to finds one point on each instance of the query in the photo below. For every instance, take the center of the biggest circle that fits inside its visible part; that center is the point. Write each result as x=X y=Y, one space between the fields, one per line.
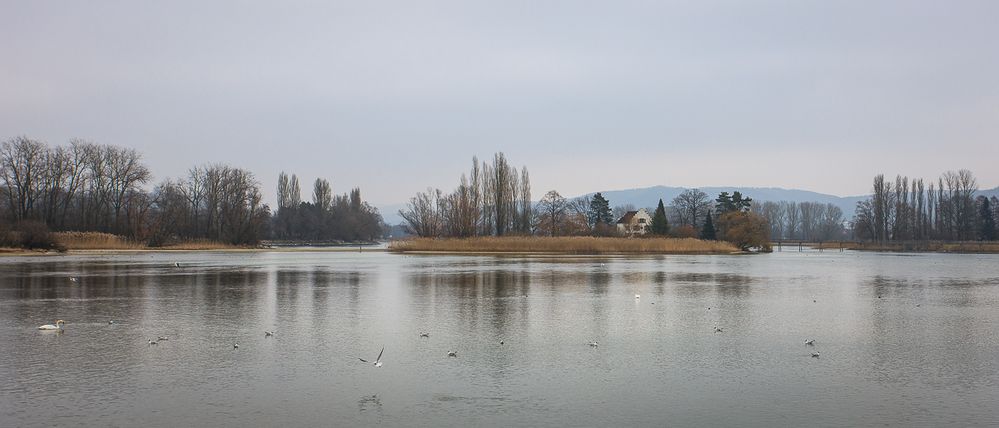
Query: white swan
x=58 y=326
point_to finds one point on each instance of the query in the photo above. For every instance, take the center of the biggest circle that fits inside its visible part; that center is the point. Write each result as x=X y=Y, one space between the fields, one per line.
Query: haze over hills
x=648 y=197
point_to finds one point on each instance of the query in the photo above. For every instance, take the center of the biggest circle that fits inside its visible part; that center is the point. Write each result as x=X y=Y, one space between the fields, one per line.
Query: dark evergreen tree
x=987 y=230
x=708 y=231
x=600 y=211
x=724 y=203
x=730 y=203
x=660 y=225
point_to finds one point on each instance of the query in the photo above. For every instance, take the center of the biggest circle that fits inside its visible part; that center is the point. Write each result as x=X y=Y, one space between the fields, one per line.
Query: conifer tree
x=708 y=231
x=600 y=211
x=988 y=224
x=660 y=225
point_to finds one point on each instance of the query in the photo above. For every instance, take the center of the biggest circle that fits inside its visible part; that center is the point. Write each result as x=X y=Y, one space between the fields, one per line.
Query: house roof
x=627 y=217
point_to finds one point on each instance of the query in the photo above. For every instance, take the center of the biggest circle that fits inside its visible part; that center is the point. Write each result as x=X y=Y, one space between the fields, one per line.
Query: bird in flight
x=810 y=342
x=378 y=361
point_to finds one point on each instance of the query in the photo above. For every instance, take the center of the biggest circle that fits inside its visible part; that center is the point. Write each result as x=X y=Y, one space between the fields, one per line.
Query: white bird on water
x=810 y=342
x=74 y=279
x=235 y=346
x=176 y=264
x=638 y=296
x=378 y=361
x=153 y=342
x=57 y=326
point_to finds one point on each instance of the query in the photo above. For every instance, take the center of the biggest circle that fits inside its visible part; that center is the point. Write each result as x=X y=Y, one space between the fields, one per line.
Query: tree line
x=327 y=217
x=89 y=187
x=916 y=210
x=492 y=201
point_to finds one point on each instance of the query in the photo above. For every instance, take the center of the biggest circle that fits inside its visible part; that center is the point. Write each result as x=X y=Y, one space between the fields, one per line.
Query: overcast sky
x=397 y=96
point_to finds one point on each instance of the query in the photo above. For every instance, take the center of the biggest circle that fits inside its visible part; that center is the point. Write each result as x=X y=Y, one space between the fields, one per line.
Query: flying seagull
x=638 y=296
x=235 y=346
x=810 y=342
x=718 y=330
x=162 y=338
x=452 y=353
x=153 y=342
x=378 y=361
x=268 y=333
x=593 y=344
x=176 y=264
x=815 y=354
x=424 y=334
x=74 y=279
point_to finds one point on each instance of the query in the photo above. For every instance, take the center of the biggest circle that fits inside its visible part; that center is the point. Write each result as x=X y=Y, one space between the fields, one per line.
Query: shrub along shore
x=583 y=245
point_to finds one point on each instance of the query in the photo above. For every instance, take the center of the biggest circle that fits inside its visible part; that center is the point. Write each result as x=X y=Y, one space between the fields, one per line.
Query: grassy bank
x=564 y=245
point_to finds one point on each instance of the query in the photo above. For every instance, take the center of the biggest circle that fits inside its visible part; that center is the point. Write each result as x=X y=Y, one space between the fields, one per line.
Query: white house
x=634 y=222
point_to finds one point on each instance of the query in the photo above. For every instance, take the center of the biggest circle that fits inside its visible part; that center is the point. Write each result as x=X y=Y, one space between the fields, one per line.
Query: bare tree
x=422 y=213
x=690 y=206
x=552 y=210
x=22 y=169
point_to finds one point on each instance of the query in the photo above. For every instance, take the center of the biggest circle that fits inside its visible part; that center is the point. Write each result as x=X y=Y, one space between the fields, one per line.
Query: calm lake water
x=904 y=340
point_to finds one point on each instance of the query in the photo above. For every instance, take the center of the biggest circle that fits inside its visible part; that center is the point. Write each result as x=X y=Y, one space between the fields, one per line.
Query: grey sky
x=397 y=96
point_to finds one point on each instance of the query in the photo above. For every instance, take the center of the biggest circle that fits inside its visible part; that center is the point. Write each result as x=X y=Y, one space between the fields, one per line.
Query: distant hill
x=649 y=196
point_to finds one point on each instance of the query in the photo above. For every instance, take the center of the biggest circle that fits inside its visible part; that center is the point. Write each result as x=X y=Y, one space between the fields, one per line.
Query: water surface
x=904 y=340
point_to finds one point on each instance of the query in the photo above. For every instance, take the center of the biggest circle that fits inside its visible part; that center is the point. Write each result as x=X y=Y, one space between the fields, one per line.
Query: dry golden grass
x=927 y=246
x=564 y=245
x=200 y=244
x=95 y=241
x=107 y=241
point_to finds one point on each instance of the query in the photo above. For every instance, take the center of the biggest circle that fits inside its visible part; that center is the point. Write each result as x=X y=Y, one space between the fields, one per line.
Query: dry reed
x=95 y=241
x=564 y=245
x=107 y=241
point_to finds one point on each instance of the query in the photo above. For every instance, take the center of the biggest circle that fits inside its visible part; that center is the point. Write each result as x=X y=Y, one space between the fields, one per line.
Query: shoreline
x=17 y=252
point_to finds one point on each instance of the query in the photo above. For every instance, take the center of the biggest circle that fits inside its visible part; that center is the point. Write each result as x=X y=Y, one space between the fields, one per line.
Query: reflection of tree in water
x=728 y=284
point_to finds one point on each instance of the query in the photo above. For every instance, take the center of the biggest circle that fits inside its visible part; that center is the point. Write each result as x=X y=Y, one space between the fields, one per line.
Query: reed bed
x=564 y=245
x=107 y=241
x=95 y=241
x=984 y=247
